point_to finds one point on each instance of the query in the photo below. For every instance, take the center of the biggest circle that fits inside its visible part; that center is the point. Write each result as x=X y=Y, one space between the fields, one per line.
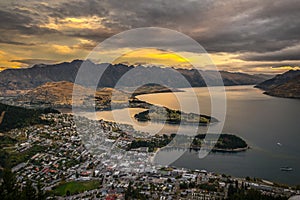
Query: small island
x=164 y=114
x=226 y=143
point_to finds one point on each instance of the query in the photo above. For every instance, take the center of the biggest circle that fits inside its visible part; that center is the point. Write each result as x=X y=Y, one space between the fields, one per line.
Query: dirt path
x=1 y=117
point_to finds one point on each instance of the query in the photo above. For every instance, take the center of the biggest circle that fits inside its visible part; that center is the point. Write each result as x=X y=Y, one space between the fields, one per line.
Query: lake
x=270 y=125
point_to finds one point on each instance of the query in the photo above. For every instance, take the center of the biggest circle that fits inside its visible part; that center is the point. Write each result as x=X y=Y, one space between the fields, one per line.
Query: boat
x=286 y=169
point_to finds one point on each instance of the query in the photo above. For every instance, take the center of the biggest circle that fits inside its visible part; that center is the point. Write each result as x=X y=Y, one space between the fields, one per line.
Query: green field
x=75 y=187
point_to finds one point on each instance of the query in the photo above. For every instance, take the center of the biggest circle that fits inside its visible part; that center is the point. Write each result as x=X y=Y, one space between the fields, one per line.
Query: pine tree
x=29 y=192
x=9 y=190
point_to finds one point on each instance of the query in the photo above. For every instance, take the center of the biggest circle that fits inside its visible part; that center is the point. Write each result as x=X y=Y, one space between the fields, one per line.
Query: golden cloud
x=70 y=23
x=285 y=68
x=154 y=57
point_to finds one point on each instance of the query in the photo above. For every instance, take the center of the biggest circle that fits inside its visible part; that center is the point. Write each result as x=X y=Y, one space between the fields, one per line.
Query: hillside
x=290 y=89
x=284 y=85
x=278 y=80
x=15 y=81
x=54 y=93
x=18 y=117
x=60 y=95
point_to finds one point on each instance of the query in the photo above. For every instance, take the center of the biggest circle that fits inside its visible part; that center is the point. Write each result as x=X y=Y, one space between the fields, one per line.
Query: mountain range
x=283 y=85
x=14 y=81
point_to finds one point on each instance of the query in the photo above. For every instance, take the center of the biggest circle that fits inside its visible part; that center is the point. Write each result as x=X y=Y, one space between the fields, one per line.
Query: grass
x=6 y=141
x=75 y=187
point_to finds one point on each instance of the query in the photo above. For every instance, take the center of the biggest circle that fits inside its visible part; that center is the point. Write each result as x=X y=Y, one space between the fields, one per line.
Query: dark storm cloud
x=292 y=64
x=13 y=21
x=220 y=26
x=96 y=35
x=76 y=8
x=290 y=53
x=264 y=27
x=9 y=41
x=15 y=25
x=18 y=22
x=158 y=38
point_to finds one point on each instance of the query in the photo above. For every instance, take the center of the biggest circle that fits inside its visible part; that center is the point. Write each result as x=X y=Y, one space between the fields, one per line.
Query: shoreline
x=213 y=150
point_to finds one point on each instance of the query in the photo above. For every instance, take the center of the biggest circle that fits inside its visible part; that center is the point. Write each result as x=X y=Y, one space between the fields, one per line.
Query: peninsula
x=164 y=114
x=226 y=143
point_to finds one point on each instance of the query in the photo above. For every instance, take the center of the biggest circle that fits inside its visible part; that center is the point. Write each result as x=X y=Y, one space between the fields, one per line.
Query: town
x=77 y=158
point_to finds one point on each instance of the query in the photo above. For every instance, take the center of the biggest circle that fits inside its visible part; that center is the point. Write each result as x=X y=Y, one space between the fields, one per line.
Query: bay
x=270 y=125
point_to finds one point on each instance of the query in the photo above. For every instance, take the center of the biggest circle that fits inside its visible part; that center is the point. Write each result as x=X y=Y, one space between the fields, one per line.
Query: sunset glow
x=56 y=32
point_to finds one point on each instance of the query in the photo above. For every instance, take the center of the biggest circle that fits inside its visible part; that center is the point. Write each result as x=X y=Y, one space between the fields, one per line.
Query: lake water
x=270 y=125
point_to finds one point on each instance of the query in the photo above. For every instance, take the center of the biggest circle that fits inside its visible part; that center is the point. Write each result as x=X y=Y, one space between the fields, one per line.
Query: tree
x=68 y=193
x=8 y=187
x=40 y=193
x=29 y=192
x=236 y=184
x=10 y=190
x=231 y=191
x=128 y=192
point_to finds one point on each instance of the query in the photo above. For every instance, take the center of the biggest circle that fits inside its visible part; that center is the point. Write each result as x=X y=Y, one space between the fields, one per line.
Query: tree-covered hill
x=18 y=117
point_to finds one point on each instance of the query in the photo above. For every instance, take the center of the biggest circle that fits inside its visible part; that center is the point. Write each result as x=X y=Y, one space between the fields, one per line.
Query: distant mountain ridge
x=29 y=78
x=284 y=85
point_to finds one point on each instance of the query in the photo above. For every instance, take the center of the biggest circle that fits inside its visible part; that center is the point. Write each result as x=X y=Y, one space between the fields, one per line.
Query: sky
x=240 y=36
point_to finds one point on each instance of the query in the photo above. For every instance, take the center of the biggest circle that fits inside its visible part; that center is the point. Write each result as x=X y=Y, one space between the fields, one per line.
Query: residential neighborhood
x=78 y=150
